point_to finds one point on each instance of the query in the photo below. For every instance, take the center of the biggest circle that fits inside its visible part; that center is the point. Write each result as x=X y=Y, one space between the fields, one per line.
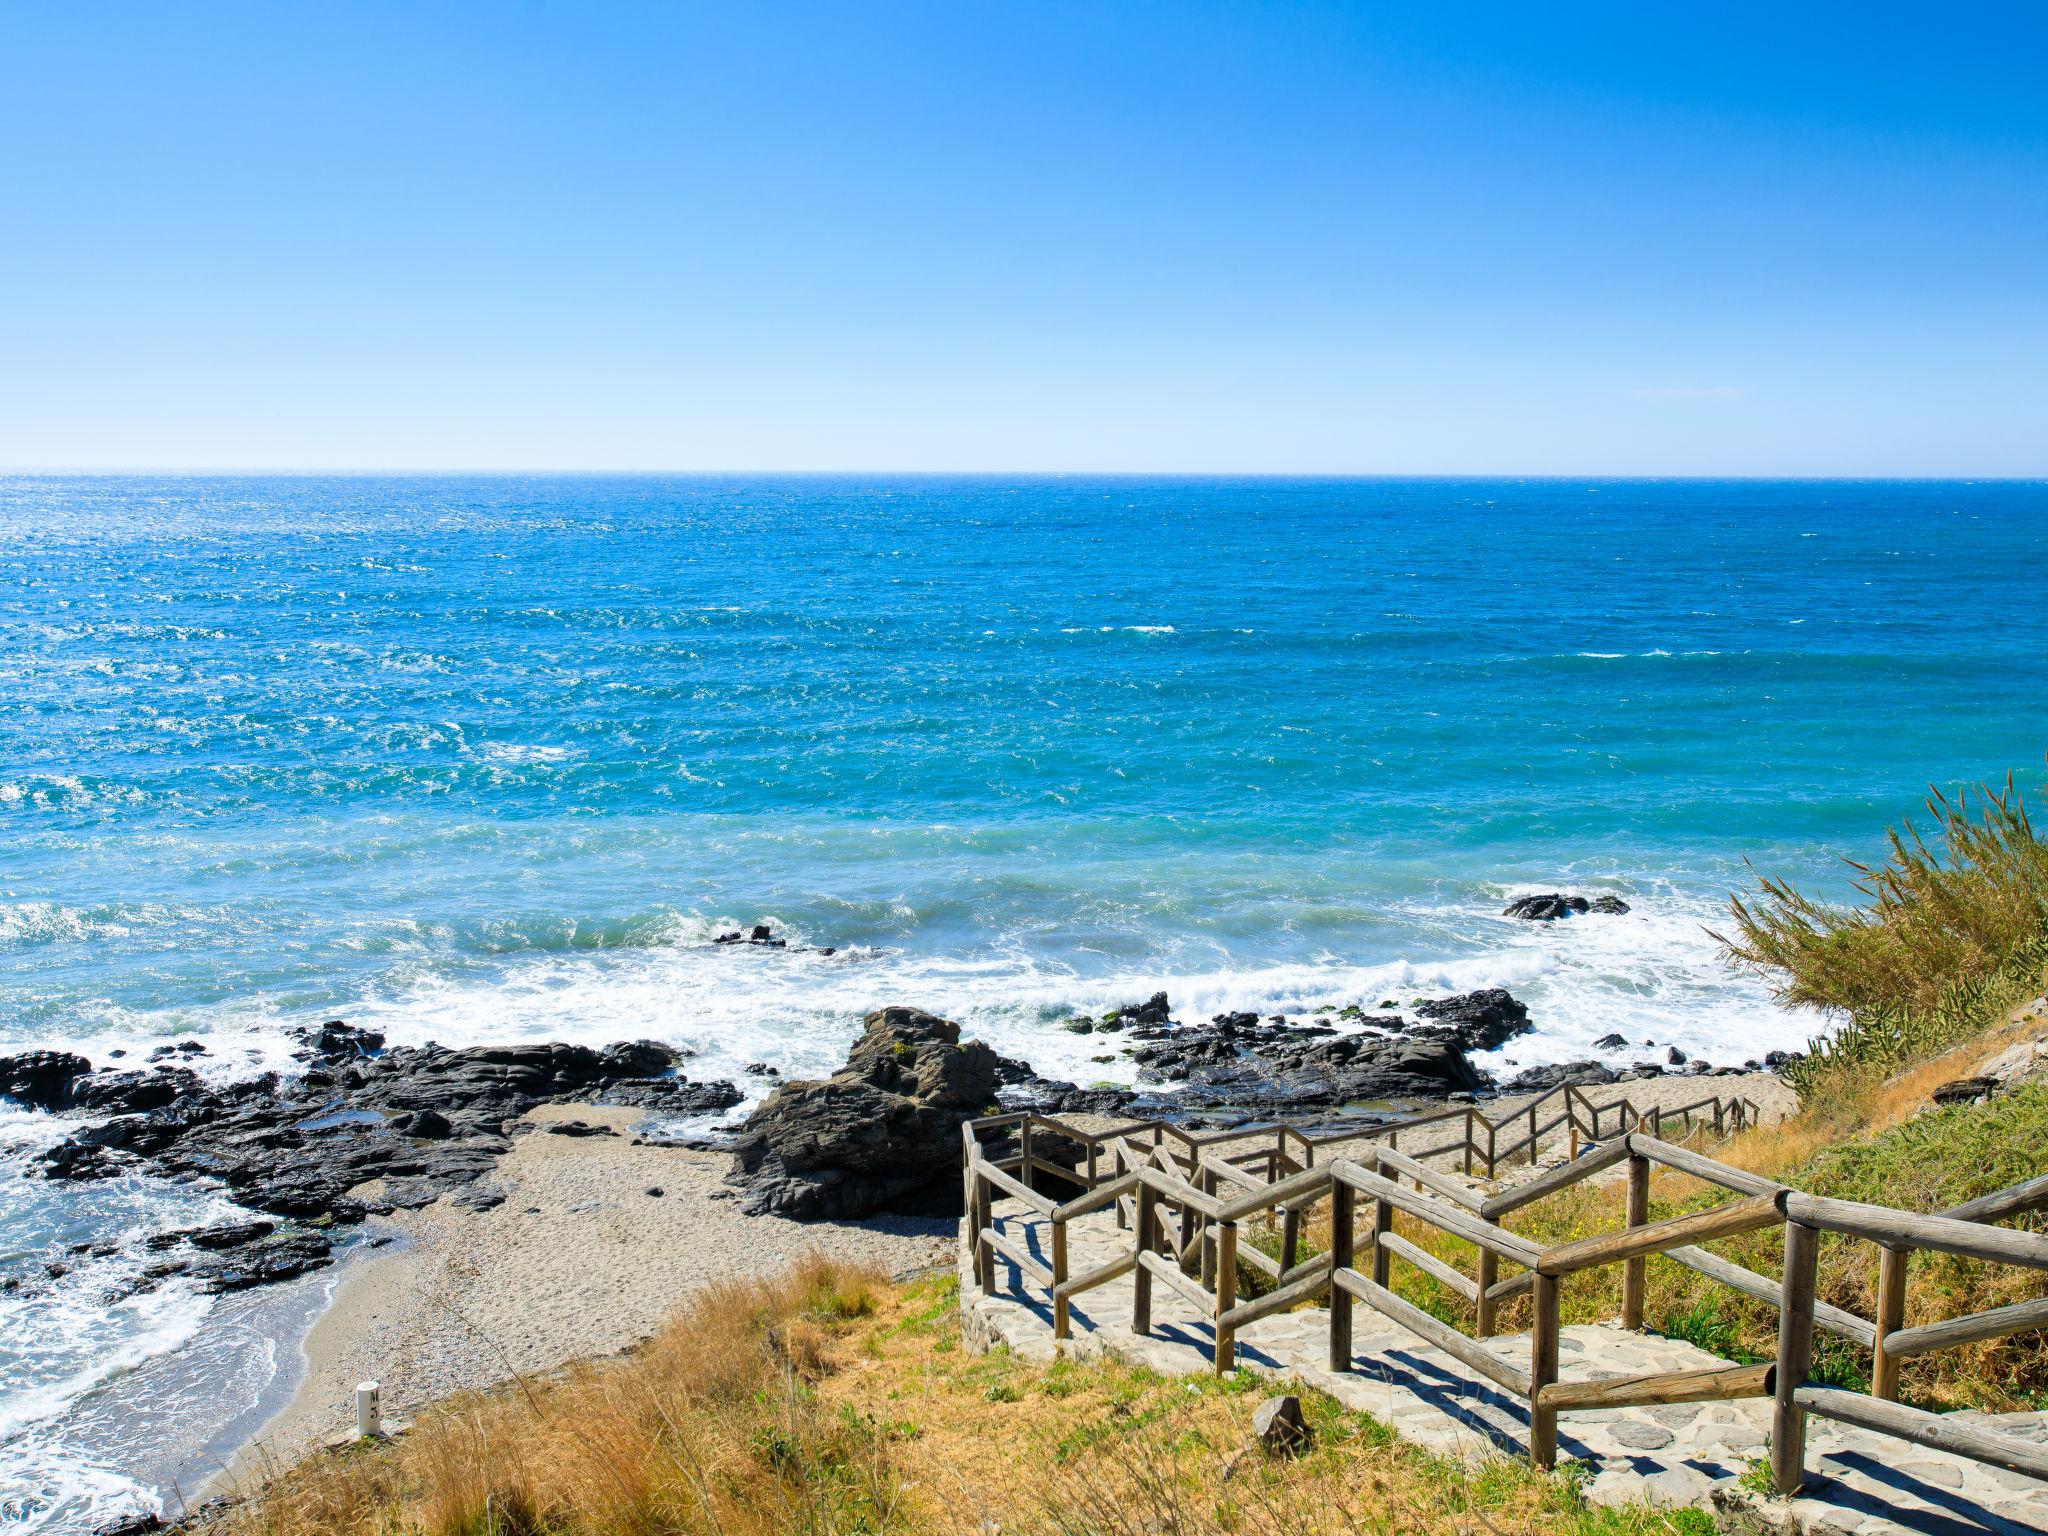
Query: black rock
x=1609 y=1043
x=131 y=1525
x=1675 y=1056
x=1554 y=904
x=41 y=1079
x=336 y=1040
x=1478 y=1021
x=579 y=1128
x=265 y=1261
x=424 y=1124
x=882 y=1133
x=1576 y=1074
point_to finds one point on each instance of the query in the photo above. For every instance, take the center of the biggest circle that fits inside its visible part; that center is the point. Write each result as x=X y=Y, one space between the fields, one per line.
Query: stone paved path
x=1858 y=1482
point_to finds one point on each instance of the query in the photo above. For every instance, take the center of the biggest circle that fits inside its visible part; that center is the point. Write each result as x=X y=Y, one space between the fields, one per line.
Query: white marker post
x=369 y=1411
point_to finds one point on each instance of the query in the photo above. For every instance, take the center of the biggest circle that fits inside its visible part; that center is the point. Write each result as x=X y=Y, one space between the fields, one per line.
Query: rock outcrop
x=1553 y=905
x=880 y=1134
x=361 y=1131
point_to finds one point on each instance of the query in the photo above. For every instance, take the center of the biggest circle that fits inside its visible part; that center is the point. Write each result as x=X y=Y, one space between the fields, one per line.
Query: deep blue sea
x=482 y=759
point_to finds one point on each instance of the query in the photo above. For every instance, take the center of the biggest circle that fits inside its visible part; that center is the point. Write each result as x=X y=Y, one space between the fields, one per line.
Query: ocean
x=494 y=758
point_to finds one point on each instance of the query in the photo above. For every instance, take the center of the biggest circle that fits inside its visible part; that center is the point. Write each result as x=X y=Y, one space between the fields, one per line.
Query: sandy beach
x=583 y=1260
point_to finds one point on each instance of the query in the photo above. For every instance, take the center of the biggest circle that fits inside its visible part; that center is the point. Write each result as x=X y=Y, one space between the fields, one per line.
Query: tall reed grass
x=1951 y=930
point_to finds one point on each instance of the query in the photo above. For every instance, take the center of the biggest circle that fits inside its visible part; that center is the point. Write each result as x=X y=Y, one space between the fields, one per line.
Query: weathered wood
x=1438 y=1214
x=1226 y=1296
x=1059 y=1277
x=1599 y=1160
x=1141 y=1277
x=1890 y=1313
x=1160 y=1267
x=1543 y=1342
x=2028 y=1195
x=1343 y=1204
x=1687 y=1161
x=1990 y=1324
x=1943 y=1234
x=1102 y=1274
x=1433 y=1331
x=1018 y=1255
x=1309 y=1180
x=1017 y=1189
x=1484 y=1305
x=1509 y=1289
x=1102 y=1194
x=1443 y=1183
x=1293 y=1293
x=1846 y=1325
x=1290 y=1239
x=984 y=1216
x=1702 y=1226
x=1795 y=1357
x=1431 y=1265
x=1711 y=1385
x=1177 y=1190
x=1635 y=1274
x=1934 y=1430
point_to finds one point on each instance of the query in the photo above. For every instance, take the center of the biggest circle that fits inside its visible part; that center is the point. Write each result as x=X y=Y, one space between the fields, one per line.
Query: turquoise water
x=492 y=758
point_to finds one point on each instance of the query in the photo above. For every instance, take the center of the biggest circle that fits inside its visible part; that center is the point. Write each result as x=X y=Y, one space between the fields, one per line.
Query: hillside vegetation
x=827 y=1402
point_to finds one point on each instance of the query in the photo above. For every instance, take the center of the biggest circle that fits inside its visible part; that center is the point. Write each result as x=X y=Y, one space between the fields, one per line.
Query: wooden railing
x=1184 y=1198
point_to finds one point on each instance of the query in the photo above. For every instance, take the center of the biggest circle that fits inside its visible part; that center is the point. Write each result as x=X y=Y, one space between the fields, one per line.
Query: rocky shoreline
x=367 y=1131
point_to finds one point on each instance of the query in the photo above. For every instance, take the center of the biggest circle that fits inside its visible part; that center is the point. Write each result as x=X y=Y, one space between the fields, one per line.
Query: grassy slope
x=829 y=1402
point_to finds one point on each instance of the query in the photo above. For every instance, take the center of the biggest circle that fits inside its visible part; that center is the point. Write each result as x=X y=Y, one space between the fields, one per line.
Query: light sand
x=468 y=1299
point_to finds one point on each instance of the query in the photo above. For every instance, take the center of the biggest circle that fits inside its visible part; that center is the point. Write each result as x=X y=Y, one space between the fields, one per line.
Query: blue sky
x=1804 y=239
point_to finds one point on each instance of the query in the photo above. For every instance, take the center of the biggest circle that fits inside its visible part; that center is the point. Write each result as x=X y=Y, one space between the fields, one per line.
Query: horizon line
x=564 y=472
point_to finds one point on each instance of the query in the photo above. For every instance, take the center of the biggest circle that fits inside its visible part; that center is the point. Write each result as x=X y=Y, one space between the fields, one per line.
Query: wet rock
x=264 y=1262
x=1478 y=1021
x=1552 y=905
x=337 y=1040
x=579 y=1128
x=673 y=1095
x=1673 y=1056
x=1609 y=1043
x=41 y=1079
x=232 y=1234
x=425 y=1125
x=140 y=1524
x=1575 y=1074
x=882 y=1133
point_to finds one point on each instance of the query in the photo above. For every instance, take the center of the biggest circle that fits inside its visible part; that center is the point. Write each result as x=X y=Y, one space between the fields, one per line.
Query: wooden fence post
x=1290 y=1239
x=1382 y=1224
x=1489 y=1271
x=1470 y=1115
x=1060 y=1326
x=1542 y=1372
x=1532 y=1135
x=984 y=1217
x=1795 y=1357
x=1635 y=1274
x=1891 y=1316
x=1141 y=1277
x=1209 y=1186
x=1226 y=1296
x=1342 y=1202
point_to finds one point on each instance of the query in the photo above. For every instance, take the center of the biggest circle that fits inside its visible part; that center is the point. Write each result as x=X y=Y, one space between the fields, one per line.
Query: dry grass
x=827 y=1401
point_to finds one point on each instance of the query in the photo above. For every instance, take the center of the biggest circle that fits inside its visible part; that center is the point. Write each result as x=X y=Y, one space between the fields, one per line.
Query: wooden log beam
x=1431 y=1265
x=1443 y=1183
x=1706 y=1386
x=1906 y=1229
x=1102 y=1274
x=1687 y=1161
x=1991 y=1324
x=1016 y=1188
x=1159 y=1267
x=1702 y=1226
x=1018 y=1255
x=1795 y=1357
x=1934 y=1430
x=1758 y=1287
x=1439 y=1214
x=1279 y=1301
x=1446 y=1338
x=1584 y=1166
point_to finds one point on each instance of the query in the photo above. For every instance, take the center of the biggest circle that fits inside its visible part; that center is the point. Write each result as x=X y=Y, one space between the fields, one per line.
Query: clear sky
x=1752 y=239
